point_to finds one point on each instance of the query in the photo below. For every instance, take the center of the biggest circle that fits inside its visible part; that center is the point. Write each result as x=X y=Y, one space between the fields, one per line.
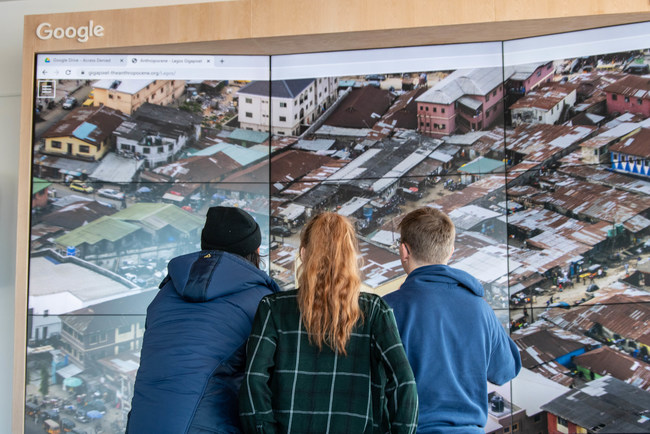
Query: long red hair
x=329 y=280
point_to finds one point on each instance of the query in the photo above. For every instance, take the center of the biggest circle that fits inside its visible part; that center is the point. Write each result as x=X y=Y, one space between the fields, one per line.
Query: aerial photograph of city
x=543 y=167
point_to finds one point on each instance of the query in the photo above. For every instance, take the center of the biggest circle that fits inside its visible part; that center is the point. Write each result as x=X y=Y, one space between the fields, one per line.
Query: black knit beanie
x=231 y=230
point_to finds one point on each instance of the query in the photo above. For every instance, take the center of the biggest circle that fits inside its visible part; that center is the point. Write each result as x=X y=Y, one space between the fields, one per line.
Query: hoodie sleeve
x=255 y=410
x=504 y=363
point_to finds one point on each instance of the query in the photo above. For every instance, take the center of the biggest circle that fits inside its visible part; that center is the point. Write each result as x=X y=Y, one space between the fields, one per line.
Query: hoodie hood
x=449 y=275
x=208 y=274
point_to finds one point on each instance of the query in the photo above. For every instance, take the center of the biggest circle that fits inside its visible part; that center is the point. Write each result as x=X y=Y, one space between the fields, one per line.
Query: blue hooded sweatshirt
x=455 y=345
x=192 y=359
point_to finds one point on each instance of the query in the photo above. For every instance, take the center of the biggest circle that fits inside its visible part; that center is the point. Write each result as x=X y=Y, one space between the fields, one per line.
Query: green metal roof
x=155 y=216
x=482 y=165
x=151 y=216
x=249 y=136
x=39 y=184
x=104 y=228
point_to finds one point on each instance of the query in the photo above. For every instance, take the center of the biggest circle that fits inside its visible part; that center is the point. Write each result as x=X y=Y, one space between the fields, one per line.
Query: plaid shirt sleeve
x=255 y=410
x=401 y=391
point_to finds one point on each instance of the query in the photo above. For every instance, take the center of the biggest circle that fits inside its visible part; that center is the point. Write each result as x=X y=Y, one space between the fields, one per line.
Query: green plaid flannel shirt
x=291 y=387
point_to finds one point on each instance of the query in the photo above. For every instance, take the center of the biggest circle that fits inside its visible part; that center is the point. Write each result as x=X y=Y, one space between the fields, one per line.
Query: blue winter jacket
x=192 y=358
x=455 y=345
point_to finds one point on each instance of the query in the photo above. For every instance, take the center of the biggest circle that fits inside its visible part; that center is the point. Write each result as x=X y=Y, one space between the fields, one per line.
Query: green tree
x=45 y=381
x=191 y=106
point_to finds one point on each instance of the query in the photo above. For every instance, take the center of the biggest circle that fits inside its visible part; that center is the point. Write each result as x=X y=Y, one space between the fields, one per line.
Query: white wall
x=11 y=36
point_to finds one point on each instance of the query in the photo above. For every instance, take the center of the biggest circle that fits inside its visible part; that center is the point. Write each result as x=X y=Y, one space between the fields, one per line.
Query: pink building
x=524 y=78
x=472 y=99
x=630 y=94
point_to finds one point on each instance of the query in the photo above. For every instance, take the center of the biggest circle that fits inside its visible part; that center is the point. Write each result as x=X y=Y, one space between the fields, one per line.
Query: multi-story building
x=156 y=133
x=630 y=94
x=545 y=105
x=632 y=154
x=50 y=297
x=472 y=99
x=128 y=95
x=86 y=133
x=95 y=332
x=292 y=103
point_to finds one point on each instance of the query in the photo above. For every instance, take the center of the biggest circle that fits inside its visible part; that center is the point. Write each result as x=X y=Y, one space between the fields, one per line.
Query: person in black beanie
x=192 y=357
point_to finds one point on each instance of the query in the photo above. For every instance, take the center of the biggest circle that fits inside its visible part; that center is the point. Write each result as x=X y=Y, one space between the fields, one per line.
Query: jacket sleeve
x=504 y=363
x=255 y=410
x=401 y=391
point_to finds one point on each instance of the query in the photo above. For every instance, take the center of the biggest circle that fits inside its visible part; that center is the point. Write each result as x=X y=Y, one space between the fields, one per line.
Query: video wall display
x=538 y=150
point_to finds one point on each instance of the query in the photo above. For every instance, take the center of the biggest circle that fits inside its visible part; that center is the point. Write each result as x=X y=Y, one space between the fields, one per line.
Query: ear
x=302 y=252
x=404 y=251
x=450 y=255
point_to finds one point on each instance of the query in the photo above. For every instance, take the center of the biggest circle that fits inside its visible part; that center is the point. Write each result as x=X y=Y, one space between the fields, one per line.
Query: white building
x=156 y=134
x=293 y=103
x=543 y=106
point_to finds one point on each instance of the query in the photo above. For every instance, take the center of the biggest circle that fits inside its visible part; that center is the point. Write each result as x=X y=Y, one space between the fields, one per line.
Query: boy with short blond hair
x=453 y=340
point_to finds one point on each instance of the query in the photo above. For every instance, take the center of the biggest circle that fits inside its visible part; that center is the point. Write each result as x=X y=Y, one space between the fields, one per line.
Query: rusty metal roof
x=637 y=144
x=622 y=313
x=544 y=98
x=594 y=201
x=611 y=361
x=632 y=86
x=543 y=342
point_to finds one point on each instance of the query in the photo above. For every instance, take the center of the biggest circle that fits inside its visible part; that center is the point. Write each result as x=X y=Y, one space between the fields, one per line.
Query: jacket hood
x=446 y=274
x=208 y=274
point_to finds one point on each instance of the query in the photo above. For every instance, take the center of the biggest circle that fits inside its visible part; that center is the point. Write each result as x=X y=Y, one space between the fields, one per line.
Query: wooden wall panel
x=508 y=10
x=290 y=17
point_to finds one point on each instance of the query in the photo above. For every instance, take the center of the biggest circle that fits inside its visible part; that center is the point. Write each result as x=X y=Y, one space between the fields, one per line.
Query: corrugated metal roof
x=482 y=165
x=595 y=201
x=608 y=404
x=90 y=124
x=637 y=144
x=623 y=313
x=544 y=98
x=103 y=229
x=114 y=169
x=471 y=215
x=631 y=85
x=542 y=342
x=611 y=361
x=477 y=81
x=249 y=136
x=243 y=156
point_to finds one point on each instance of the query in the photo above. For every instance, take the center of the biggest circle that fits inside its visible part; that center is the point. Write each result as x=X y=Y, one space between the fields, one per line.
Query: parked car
x=111 y=193
x=81 y=186
x=281 y=231
x=69 y=103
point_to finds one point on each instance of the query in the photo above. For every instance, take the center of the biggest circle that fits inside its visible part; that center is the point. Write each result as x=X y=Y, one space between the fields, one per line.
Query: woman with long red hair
x=327 y=358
